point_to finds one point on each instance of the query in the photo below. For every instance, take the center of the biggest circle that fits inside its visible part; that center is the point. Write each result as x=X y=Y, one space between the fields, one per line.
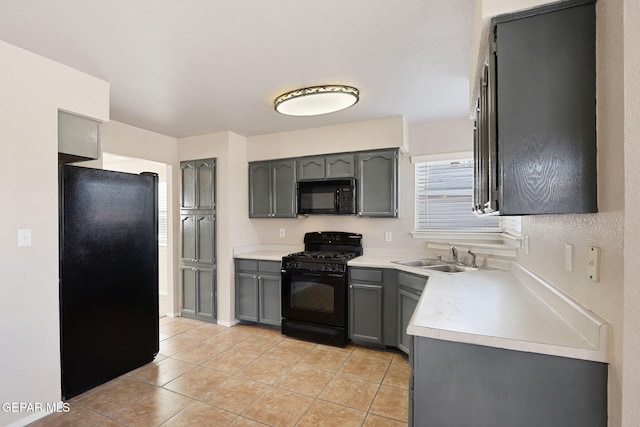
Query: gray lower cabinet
x=410 y=287
x=272 y=189
x=198 y=292
x=372 y=306
x=258 y=291
x=377 y=180
x=458 y=384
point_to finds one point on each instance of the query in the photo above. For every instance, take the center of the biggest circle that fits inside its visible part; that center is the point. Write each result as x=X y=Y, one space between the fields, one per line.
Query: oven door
x=314 y=297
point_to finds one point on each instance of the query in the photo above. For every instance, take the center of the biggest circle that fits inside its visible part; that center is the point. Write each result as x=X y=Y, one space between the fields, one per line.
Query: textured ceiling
x=192 y=67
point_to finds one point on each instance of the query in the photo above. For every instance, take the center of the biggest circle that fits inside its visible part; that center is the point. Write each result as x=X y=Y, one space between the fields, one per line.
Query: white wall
x=631 y=343
x=232 y=224
x=33 y=89
x=125 y=140
x=366 y=135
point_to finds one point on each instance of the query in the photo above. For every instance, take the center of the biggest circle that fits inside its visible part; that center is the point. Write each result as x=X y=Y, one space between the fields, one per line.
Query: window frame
x=494 y=234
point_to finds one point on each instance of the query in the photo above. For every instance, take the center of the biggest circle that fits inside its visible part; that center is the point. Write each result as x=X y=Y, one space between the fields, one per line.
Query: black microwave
x=334 y=196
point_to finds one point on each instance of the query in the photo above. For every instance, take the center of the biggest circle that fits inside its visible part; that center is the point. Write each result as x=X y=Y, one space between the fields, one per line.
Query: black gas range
x=315 y=287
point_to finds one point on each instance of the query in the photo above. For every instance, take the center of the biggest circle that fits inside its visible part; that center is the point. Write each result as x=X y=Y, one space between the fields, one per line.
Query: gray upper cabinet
x=272 y=184
x=378 y=183
x=260 y=193
x=340 y=166
x=326 y=167
x=78 y=138
x=197 y=184
x=310 y=168
x=542 y=104
x=272 y=189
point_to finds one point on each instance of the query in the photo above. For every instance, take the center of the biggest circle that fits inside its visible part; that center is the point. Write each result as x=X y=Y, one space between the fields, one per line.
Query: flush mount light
x=316 y=100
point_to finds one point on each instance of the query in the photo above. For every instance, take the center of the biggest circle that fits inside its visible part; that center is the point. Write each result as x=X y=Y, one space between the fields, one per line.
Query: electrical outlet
x=24 y=237
x=568 y=257
x=282 y=233
x=387 y=236
x=526 y=244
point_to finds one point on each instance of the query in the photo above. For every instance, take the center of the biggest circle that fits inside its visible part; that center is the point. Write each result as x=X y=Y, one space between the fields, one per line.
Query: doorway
x=116 y=162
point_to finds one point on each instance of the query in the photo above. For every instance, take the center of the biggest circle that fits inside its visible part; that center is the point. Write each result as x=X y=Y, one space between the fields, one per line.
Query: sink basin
x=435 y=264
x=420 y=262
x=451 y=268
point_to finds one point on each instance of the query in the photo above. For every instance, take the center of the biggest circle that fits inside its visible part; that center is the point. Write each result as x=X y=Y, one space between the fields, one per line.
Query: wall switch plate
x=282 y=233
x=568 y=257
x=593 y=263
x=24 y=237
x=387 y=236
x=526 y=244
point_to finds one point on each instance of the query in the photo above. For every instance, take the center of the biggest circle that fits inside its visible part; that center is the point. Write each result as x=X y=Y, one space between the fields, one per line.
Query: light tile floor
x=247 y=375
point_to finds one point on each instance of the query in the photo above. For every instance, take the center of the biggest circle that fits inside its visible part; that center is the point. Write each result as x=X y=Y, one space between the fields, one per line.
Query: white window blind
x=162 y=213
x=444 y=197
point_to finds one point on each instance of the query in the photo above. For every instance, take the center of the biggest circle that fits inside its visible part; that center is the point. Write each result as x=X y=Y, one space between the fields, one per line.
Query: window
x=444 y=196
x=162 y=213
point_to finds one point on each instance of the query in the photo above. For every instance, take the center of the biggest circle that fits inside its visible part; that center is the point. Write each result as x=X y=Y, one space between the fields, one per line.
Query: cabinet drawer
x=269 y=266
x=412 y=281
x=366 y=274
x=246 y=265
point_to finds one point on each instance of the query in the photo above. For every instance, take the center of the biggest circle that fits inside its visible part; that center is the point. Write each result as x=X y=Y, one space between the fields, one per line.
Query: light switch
x=387 y=236
x=282 y=233
x=24 y=237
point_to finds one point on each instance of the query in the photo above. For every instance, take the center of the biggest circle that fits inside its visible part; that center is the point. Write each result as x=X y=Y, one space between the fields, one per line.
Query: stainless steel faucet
x=454 y=252
x=473 y=259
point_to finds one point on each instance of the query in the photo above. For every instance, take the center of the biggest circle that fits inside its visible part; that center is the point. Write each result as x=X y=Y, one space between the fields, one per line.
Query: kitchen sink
x=436 y=265
x=451 y=268
x=420 y=262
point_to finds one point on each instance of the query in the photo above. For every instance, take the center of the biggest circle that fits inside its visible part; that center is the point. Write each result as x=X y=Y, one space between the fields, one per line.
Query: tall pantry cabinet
x=197 y=239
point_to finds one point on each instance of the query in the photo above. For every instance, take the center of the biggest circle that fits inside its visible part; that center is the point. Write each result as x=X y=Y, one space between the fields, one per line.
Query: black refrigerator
x=108 y=275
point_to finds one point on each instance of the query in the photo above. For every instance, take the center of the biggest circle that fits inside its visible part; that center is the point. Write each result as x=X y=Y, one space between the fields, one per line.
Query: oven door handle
x=313 y=273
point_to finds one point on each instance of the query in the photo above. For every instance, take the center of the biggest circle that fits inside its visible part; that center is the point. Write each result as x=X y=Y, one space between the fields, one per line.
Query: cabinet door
x=205 y=238
x=378 y=184
x=284 y=189
x=247 y=296
x=546 y=112
x=269 y=299
x=260 y=190
x=188 y=199
x=205 y=293
x=189 y=286
x=188 y=227
x=366 y=312
x=407 y=303
x=311 y=168
x=340 y=166
x=205 y=183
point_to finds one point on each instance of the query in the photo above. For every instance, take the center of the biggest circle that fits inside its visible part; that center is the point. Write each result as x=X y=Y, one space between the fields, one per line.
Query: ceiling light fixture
x=316 y=100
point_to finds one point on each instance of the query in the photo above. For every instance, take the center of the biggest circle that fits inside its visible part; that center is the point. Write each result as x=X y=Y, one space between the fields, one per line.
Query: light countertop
x=495 y=308
x=512 y=309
